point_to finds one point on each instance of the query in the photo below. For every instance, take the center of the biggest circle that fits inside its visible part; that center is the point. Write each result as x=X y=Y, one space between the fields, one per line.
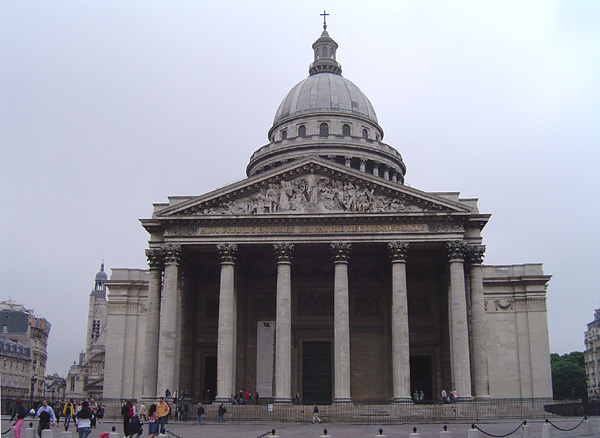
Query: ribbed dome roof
x=325 y=92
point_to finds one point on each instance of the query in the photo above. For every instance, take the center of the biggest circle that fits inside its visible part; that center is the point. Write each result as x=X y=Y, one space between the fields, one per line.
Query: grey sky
x=106 y=107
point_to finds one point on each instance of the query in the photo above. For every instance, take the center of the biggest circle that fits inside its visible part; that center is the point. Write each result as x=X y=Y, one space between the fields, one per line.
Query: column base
x=222 y=400
x=465 y=398
x=149 y=399
x=340 y=400
x=483 y=397
x=402 y=400
x=287 y=401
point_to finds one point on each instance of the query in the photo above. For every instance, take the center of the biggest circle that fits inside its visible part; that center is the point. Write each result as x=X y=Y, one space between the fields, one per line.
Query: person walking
x=162 y=412
x=84 y=420
x=221 y=412
x=152 y=421
x=68 y=412
x=315 y=417
x=142 y=412
x=46 y=415
x=199 y=413
x=126 y=415
x=18 y=415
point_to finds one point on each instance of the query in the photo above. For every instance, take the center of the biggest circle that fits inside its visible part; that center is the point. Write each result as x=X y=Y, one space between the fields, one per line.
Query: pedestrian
x=444 y=396
x=421 y=396
x=68 y=412
x=18 y=415
x=256 y=397
x=46 y=415
x=100 y=413
x=454 y=395
x=162 y=412
x=316 y=414
x=297 y=398
x=84 y=420
x=126 y=415
x=221 y=412
x=416 y=396
x=152 y=421
x=199 y=413
x=57 y=412
x=94 y=408
x=142 y=412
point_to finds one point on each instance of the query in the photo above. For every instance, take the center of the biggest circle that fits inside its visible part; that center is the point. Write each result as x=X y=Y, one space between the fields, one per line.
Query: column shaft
x=479 y=333
x=283 y=334
x=225 y=340
x=459 y=332
x=152 y=334
x=168 y=331
x=400 y=335
x=341 y=336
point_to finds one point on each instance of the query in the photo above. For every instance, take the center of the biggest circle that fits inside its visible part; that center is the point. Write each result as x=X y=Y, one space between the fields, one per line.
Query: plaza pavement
x=307 y=430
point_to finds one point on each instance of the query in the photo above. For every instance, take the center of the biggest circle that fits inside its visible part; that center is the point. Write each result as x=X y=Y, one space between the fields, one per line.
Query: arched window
x=302 y=131
x=365 y=133
x=284 y=134
x=332 y=52
x=377 y=137
x=324 y=129
x=346 y=130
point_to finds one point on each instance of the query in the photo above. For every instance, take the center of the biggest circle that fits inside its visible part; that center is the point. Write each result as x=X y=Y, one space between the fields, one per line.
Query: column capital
x=398 y=251
x=155 y=258
x=283 y=252
x=172 y=253
x=476 y=254
x=457 y=249
x=340 y=252
x=227 y=252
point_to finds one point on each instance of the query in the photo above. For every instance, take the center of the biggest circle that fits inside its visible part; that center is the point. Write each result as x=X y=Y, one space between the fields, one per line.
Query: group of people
x=245 y=398
x=157 y=417
x=449 y=397
x=84 y=414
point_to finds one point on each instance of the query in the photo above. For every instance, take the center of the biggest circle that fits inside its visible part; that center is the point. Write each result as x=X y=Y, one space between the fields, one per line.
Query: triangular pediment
x=312 y=186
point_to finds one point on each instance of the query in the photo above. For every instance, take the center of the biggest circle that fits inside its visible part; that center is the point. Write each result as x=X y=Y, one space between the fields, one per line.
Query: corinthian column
x=341 y=323
x=400 y=339
x=168 y=322
x=283 y=323
x=459 y=331
x=227 y=321
x=479 y=326
x=155 y=262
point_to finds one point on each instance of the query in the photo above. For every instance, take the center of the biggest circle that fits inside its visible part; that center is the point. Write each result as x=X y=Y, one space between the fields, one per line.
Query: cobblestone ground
x=308 y=430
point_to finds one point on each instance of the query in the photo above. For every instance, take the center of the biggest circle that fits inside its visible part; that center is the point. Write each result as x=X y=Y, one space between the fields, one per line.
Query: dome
x=101 y=275
x=325 y=92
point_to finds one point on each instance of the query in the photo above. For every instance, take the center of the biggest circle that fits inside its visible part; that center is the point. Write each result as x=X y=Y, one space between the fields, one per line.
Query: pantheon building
x=323 y=273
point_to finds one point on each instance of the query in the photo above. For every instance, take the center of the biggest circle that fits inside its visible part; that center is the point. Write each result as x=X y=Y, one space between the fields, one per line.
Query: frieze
x=313 y=193
x=418 y=227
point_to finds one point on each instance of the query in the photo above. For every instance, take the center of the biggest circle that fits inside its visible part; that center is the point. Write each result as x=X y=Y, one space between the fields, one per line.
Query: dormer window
x=346 y=130
x=324 y=129
x=302 y=131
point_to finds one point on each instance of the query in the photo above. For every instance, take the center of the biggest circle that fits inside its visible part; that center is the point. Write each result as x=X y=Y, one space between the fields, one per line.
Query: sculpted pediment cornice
x=312 y=186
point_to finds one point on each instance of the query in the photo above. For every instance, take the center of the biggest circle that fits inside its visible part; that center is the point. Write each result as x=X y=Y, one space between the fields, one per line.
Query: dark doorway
x=210 y=376
x=316 y=372
x=420 y=376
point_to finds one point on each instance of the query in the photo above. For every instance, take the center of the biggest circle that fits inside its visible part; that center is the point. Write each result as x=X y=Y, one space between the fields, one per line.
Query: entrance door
x=420 y=376
x=316 y=372
x=210 y=375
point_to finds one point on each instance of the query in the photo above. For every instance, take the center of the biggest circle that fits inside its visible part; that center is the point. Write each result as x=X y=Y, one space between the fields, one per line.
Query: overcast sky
x=107 y=107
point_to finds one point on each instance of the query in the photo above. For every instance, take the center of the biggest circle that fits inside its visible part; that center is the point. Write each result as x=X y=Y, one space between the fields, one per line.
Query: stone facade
x=322 y=273
x=592 y=356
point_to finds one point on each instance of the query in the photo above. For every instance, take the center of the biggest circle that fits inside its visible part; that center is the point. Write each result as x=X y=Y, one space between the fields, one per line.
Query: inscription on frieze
x=193 y=230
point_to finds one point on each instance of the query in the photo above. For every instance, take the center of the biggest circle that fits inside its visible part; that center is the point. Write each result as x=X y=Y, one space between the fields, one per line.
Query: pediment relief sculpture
x=313 y=193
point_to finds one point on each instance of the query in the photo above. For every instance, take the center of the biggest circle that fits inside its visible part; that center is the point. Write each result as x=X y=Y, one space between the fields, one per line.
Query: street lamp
x=33 y=380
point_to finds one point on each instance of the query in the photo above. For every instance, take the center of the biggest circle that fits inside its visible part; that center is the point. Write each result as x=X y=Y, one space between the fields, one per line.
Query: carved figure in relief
x=311 y=194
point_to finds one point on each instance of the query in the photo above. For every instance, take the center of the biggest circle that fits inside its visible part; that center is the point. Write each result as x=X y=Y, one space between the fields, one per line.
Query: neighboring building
x=592 y=356
x=15 y=363
x=323 y=273
x=23 y=326
x=86 y=377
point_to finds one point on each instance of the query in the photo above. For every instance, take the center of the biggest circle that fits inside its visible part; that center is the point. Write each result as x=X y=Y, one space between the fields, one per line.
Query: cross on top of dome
x=325 y=53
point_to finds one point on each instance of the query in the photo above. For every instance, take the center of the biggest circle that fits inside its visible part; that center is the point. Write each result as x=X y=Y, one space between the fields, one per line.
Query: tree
x=568 y=375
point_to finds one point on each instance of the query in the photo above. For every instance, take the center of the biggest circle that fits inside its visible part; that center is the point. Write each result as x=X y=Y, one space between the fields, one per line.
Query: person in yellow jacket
x=162 y=412
x=68 y=412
